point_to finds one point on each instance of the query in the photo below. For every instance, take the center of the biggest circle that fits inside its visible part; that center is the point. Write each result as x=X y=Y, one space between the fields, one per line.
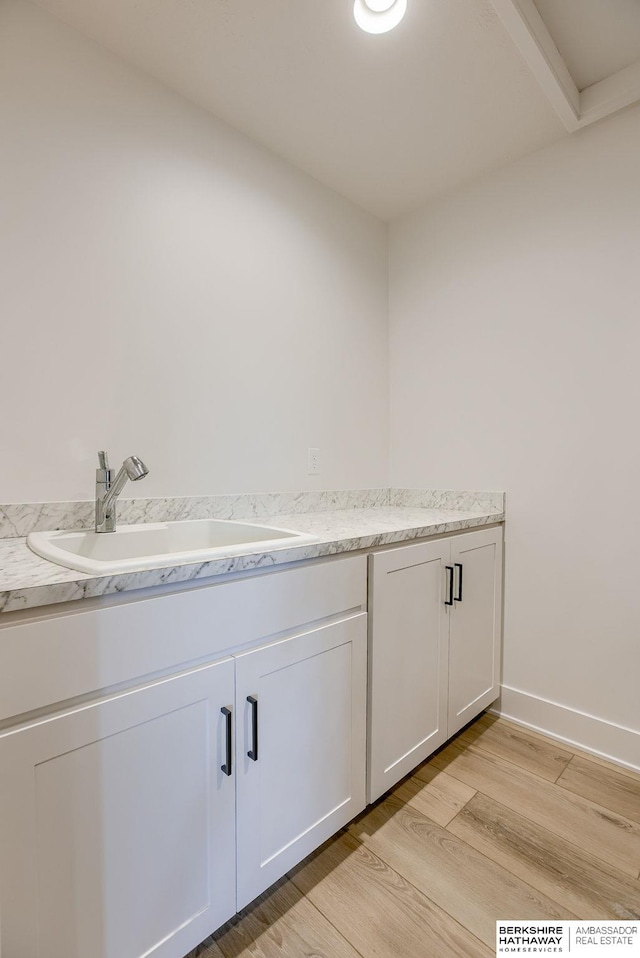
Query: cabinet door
x=475 y=625
x=117 y=824
x=408 y=660
x=305 y=729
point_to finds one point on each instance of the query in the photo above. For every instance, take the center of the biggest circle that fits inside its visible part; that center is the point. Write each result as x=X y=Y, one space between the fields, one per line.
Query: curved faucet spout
x=108 y=489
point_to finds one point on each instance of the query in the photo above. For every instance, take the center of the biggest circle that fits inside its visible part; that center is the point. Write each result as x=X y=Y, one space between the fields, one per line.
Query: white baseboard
x=587 y=732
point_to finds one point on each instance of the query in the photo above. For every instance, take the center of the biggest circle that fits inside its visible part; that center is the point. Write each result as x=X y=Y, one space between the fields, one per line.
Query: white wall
x=172 y=290
x=515 y=347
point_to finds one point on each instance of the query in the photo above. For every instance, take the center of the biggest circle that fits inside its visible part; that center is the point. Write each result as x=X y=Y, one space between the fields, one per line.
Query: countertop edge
x=82 y=586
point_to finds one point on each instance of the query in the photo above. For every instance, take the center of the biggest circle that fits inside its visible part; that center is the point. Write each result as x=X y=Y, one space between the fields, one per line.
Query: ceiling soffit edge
x=576 y=108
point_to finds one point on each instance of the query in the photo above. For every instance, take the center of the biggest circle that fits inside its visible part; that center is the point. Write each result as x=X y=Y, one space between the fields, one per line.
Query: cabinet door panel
x=117 y=824
x=309 y=779
x=475 y=631
x=408 y=661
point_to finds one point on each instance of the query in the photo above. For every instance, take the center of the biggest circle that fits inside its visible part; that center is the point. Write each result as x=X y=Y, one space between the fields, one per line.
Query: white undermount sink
x=153 y=545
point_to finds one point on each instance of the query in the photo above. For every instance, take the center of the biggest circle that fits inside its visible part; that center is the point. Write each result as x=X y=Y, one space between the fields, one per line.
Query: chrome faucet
x=108 y=489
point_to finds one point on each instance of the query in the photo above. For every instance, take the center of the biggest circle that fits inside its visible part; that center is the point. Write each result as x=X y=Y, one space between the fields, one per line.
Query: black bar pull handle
x=458 y=597
x=226 y=768
x=253 y=752
x=449 y=569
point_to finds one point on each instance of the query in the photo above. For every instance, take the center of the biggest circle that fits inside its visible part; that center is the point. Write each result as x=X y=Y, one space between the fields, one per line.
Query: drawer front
x=51 y=659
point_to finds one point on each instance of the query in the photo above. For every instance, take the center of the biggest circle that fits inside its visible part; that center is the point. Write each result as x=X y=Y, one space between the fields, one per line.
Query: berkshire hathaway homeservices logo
x=580 y=939
x=533 y=936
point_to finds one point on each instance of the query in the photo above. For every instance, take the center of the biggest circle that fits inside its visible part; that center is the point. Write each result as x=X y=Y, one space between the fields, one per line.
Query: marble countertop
x=27 y=581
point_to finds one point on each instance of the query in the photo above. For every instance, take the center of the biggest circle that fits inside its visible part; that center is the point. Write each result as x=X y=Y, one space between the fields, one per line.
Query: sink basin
x=153 y=545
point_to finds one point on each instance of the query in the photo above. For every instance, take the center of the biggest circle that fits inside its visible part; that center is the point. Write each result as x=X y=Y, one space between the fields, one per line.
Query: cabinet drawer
x=48 y=660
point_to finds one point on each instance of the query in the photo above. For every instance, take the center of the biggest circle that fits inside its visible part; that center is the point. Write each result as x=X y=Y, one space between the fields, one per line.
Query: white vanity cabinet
x=119 y=832
x=435 y=643
x=164 y=758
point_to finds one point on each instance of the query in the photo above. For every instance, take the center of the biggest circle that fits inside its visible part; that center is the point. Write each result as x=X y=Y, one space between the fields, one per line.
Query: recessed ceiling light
x=379 y=16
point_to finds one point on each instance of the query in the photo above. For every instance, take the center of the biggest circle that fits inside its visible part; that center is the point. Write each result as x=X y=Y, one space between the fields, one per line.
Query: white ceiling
x=388 y=121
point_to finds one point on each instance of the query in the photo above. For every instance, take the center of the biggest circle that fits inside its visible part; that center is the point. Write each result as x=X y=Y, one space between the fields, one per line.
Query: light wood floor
x=501 y=823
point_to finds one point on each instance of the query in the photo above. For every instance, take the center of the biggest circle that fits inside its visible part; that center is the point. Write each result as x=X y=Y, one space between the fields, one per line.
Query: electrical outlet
x=313 y=461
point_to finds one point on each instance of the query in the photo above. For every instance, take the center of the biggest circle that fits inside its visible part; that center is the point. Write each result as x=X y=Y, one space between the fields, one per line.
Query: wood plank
x=435 y=794
x=609 y=836
x=376 y=909
x=569 y=747
x=555 y=867
x=534 y=754
x=208 y=949
x=463 y=882
x=606 y=787
x=605 y=763
x=281 y=923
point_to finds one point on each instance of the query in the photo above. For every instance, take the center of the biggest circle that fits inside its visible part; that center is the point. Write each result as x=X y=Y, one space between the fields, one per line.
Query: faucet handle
x=103 y=473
